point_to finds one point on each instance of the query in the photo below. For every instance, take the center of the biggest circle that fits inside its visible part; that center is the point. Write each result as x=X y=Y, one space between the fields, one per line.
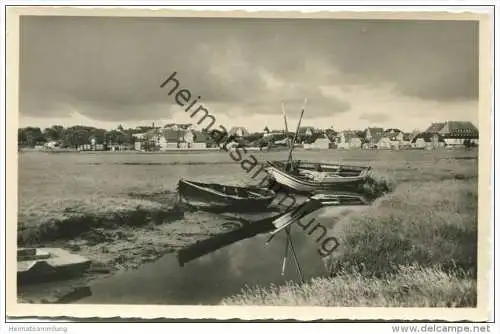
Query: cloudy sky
x=354 y=73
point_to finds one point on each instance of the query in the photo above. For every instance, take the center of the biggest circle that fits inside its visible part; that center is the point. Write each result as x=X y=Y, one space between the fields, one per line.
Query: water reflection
x=212 y=277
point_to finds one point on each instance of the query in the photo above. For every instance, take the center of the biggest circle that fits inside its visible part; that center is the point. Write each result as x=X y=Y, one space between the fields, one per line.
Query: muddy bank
x=73 y=219
x=117 y=245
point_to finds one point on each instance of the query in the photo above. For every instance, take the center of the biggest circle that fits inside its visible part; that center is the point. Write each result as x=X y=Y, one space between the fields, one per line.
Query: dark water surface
x=207 y=280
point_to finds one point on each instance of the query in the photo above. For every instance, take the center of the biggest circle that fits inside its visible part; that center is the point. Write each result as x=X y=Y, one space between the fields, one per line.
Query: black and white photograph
x=251 y=160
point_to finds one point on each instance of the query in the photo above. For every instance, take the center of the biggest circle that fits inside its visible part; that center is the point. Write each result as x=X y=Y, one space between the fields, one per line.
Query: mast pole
x=296 y=132
x=283 y=109
x=289 y=241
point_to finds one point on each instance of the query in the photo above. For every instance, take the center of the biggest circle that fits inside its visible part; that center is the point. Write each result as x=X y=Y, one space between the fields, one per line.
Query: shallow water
x=212 y=277
x=223 y=273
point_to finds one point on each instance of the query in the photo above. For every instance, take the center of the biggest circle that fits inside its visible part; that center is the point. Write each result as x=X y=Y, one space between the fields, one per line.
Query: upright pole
x=287 y=229
x=283 y=109
x=296 y=132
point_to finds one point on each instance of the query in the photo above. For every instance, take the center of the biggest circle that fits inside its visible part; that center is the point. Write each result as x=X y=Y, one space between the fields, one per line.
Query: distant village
x=187 y=137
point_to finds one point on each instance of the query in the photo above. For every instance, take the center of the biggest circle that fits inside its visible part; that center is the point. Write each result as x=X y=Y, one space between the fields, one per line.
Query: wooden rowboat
x=312 y=177
x=220 y=198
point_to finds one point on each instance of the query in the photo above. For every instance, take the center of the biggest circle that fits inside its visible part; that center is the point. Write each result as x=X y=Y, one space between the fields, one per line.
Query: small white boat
x=40 y=264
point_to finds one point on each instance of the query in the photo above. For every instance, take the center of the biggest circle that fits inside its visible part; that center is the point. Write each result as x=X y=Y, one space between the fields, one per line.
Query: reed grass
x=415 y=247
x=426 y=223
x=409 y=286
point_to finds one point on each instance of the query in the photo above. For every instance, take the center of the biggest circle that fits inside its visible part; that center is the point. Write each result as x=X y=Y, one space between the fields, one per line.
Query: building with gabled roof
x=435 y=127
x=456 y=132
x=349 y=139
x=373 y=132
x=372 y=140
x=427 y=140
x=394 y=135
x=454 y=128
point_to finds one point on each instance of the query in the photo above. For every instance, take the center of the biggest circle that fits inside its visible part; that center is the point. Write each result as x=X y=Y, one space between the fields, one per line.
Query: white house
x=349 y=140
x=238 y=131
x=355 y=142
x=384 y=143
x=419 y=143
x=322 y=143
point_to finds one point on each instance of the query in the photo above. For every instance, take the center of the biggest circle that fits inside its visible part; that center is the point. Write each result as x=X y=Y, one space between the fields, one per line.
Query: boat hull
x=201 y=196
x=330 y=183
x=341 y=199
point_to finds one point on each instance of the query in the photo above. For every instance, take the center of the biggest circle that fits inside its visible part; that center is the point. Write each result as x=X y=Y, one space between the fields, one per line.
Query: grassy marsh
x=414 y=247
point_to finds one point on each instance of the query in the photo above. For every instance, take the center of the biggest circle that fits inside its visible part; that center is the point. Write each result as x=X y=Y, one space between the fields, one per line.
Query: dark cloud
x=112 y=68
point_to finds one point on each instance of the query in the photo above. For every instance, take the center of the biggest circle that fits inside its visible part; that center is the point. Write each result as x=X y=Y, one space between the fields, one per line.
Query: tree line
x=74 y=136
x=77 y=135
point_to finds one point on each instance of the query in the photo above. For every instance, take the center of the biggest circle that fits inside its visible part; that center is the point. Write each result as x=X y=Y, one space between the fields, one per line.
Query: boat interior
x=310 y=170
x=234 y=191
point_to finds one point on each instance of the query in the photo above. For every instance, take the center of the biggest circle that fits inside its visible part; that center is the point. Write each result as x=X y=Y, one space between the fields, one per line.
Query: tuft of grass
x=377 y=184
x=410 y=286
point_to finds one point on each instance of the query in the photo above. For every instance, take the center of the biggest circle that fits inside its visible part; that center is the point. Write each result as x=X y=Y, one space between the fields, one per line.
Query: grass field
x=415 y=247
